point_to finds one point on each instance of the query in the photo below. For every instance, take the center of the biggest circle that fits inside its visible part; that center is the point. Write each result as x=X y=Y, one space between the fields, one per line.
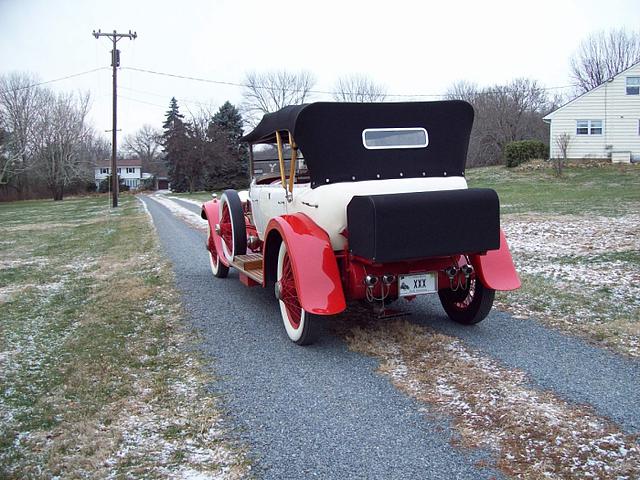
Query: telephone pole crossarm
x=115 y=63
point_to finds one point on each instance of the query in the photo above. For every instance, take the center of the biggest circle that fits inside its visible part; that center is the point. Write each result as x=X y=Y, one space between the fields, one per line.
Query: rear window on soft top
x=387 y=138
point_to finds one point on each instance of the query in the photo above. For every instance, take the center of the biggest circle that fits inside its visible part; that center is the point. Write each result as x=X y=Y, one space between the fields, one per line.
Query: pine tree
x=175 y=144
x=229 y=166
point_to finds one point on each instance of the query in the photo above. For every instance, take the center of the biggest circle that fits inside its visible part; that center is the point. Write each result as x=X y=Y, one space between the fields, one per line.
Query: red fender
x=315 y=268
x=211 y=213
x=496 y=269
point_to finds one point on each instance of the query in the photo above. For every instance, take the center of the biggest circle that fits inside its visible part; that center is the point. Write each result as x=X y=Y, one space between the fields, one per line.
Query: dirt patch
x=534 y=434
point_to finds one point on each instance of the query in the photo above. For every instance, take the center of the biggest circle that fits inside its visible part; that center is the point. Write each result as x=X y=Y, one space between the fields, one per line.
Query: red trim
x=247 y=281
x=210 y=210
x=315 y=269
x=496 y=269
x=357 y=268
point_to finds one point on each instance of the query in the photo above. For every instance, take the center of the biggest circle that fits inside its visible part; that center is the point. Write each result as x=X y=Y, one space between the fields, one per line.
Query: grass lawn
x=609 y=190
x=576 y=244
x=96 y=375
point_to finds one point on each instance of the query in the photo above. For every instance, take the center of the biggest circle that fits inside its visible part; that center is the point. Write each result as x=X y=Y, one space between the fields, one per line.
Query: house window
x=119 y=170
x=633 y=85
x=104 y=171
x=131 y=170
x=589 y=127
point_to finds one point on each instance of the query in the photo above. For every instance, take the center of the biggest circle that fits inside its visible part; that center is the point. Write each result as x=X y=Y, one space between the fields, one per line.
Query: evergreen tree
x=176 y=146
x=228 y=167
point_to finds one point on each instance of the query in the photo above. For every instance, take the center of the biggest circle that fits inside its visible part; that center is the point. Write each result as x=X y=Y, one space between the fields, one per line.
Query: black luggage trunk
x=410 y=226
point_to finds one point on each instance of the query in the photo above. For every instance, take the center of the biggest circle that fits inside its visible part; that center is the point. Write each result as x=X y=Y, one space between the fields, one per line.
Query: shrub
x=105 y=185
x=521 y=151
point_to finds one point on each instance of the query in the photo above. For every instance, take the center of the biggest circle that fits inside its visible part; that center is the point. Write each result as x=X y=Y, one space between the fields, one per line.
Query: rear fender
x=315 y=268
x=211 y=213
x=496 y=269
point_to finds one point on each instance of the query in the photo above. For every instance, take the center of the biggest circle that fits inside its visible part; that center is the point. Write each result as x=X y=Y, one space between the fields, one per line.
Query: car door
x=267 y=201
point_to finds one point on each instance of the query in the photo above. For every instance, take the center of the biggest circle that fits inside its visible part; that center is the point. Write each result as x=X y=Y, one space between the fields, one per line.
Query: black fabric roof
x=330 y=138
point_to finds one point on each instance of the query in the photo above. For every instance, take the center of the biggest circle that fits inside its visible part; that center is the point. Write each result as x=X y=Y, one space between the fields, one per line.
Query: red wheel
x=468 y=305
x=233 y=230
x=217 y=267
x=299 y=324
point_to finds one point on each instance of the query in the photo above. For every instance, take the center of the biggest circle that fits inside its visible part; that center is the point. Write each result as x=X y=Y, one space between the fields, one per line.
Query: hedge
x=521 y=151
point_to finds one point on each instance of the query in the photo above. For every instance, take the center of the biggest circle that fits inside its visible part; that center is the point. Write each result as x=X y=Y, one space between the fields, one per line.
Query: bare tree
x=20 y=102
x=503 y=113
x=358 y=88
x=562 y=142
x=271 y=91
x=146 y=145
x=61 y=136
x=603 y=55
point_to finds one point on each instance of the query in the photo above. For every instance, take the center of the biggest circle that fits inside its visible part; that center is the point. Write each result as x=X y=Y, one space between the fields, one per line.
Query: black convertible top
x=330 y=138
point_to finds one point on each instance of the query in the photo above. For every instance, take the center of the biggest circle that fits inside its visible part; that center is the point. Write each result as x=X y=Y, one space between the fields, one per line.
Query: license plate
x=417 y=284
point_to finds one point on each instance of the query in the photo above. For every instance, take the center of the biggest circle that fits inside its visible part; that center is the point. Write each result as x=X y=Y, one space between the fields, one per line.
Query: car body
x=369 y=203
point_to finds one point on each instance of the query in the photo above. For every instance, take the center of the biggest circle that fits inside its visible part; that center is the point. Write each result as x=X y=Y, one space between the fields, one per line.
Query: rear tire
x=470 y=305
x=233 y=229
x=301 y=326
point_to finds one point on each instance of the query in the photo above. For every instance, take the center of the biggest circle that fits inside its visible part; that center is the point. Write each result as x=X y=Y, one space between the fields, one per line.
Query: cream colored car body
x=326 y=205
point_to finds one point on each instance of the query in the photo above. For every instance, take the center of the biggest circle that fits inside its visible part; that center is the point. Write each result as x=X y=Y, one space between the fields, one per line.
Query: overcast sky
x=411 y=47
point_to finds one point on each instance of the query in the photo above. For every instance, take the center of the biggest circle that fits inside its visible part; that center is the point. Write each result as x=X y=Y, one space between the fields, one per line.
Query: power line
x=324 y=92
x=54 y=80
x=158 y=95
x=164 y=107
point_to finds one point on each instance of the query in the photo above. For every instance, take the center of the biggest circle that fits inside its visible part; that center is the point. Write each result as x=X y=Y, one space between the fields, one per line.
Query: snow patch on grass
x=581 y=274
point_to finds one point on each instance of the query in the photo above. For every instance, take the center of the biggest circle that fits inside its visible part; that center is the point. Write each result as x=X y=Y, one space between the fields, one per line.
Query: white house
x=603 y=123
x=129 y=170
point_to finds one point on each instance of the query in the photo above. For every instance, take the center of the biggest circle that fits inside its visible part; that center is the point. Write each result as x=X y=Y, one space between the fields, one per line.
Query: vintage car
x=370 y=204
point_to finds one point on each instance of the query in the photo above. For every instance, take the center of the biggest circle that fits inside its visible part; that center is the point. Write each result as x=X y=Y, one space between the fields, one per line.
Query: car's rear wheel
x=301 y=326
x=467 y=305
x=217 y=267
x=233 y=230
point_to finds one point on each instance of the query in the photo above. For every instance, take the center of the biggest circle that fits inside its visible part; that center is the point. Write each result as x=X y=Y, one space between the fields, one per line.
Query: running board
x=250 y=268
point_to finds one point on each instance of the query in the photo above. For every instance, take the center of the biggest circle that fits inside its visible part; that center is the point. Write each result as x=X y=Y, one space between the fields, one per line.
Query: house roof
x=550 y=115
x=121 y=162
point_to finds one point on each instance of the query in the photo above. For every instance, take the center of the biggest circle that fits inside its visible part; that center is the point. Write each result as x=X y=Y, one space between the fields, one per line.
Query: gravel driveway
x=323 y=411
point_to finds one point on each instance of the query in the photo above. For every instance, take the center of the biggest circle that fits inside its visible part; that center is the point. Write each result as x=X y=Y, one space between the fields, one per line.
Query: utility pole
x=115 y=63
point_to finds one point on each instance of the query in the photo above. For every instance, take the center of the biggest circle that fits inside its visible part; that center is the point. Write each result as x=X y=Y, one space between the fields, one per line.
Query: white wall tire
x=301 y=326
x=233 y=230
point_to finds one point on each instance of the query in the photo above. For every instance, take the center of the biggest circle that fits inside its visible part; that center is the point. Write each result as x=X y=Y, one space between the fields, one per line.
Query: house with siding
x=129 y=170
x=603 y=123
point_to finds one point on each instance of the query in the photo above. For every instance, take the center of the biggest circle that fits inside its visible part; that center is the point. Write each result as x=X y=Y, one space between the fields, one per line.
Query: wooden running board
x=250 y=265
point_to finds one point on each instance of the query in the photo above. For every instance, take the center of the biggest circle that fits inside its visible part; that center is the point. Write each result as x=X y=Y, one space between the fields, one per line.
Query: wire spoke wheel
x=233 y=230
x=469 y=304
x=300 y=325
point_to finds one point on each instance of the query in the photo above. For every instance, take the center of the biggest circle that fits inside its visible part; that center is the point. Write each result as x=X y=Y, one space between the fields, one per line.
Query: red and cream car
x=368 y=202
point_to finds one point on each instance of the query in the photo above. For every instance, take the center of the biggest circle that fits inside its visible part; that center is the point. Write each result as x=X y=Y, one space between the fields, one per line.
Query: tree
x=230 y=158
x=503 y=114
x=562 y=143
x=358 y=88
x=61 y=137
x=20 y=103
x=146 y=144
x=603 y=55
x=271 y=91
x=176 y=146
